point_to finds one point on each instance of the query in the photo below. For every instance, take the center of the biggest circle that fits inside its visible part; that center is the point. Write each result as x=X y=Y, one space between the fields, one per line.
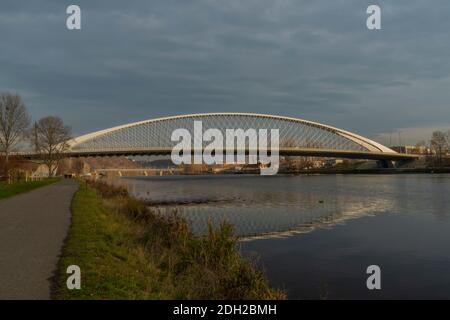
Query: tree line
x=440 y=144
x=48 y=137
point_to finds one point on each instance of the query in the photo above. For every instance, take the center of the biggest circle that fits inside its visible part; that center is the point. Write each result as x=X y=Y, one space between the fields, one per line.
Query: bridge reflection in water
x=263 y=207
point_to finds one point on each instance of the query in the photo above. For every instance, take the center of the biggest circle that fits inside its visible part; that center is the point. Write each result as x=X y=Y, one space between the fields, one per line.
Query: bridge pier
x=385 y=164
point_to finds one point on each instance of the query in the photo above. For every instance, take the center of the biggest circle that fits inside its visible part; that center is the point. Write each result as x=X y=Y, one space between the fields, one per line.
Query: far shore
x=374 y=171
x=330 y=171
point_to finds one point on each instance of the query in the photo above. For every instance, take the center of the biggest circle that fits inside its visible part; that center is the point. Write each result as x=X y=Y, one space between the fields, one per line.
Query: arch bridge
x=297 y=137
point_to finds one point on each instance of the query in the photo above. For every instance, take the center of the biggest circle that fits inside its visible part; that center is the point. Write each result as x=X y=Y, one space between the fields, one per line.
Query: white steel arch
x=143 y=131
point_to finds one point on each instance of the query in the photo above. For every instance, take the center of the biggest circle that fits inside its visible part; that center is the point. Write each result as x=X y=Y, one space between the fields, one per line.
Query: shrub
x=189 y=266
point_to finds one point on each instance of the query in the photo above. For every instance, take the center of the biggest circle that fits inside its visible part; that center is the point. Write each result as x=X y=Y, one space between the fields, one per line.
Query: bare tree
x=14 y=122
x=50 y=138
x=447 y=138
x=78 y=166
x=438 y=143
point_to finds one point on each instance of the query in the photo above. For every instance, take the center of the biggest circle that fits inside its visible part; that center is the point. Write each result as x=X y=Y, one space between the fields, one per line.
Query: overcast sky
x=135 y=60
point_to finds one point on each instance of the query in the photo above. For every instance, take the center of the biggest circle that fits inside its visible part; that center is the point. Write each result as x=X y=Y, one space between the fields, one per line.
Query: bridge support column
x=402 y=163
x=385 y=164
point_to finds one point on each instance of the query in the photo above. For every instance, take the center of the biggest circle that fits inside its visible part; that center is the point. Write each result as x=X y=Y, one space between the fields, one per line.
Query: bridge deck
x=309 y=152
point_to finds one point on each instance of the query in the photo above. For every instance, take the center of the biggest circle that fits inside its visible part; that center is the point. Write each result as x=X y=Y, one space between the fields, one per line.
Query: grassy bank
x=127 y=251
x=9 y=190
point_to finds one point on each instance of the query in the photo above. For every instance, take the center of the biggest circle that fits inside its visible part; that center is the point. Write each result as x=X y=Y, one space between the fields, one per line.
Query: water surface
x=316 y=235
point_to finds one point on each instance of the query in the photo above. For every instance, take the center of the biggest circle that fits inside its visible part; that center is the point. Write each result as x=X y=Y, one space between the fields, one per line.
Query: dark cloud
x=309 y=59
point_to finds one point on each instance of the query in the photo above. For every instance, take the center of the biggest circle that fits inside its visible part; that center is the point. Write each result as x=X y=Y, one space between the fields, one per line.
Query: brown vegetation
x=159 y=257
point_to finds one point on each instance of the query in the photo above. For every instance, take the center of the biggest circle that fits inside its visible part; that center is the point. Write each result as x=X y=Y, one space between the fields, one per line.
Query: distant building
x=331 y=162
x=421 y=150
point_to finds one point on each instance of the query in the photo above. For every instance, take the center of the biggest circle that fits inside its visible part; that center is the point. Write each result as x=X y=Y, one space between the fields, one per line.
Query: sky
x=316 y=60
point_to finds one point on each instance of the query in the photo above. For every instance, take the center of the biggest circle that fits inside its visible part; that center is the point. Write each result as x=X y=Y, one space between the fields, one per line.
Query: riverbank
x=325 y=171
x=372 y=171
x=12 y=189
x=127 y=251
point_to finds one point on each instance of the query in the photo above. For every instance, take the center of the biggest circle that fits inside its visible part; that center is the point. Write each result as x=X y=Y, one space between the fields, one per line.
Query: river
x=315 y=236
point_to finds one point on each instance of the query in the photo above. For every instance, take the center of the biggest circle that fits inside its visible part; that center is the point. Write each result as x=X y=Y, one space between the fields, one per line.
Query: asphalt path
x=33 y=227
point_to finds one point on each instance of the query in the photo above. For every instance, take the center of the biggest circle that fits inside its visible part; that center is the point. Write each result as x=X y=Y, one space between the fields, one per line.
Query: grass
x=127 y=251
x=12 y=189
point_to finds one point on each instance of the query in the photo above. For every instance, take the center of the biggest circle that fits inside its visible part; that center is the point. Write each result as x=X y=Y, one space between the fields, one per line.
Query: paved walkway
x=33 y=227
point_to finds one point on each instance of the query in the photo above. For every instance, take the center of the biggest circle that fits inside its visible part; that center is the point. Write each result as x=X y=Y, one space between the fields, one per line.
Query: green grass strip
x=126 y=251
x=12 y=189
